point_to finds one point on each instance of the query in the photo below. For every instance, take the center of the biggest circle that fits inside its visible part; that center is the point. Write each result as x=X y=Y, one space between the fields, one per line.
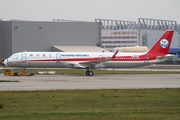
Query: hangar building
x=18 y=36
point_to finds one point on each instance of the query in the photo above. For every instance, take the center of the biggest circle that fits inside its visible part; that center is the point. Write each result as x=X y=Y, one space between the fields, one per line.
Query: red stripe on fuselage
x=118 y=58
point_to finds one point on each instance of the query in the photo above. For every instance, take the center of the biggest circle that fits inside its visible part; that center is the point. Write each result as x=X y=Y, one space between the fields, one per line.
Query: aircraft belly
x=38 y=64
x=47 y=64
x=44 y=64
x=19 y=64
x=125 y=64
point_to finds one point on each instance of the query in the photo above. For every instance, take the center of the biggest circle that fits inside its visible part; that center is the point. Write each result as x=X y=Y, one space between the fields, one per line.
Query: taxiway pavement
x=68 y=82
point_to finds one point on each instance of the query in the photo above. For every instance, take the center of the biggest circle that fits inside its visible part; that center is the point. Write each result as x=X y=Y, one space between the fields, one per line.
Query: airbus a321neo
x=93 y=60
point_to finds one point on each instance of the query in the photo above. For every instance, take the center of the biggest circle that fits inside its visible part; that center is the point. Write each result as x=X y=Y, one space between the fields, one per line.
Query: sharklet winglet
x=114 y=55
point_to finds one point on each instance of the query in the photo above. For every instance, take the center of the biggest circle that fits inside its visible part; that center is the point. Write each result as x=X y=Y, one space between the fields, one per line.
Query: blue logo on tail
x=164 y=43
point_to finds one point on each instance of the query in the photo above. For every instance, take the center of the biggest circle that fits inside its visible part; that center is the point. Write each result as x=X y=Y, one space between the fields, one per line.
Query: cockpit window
x=14 y=57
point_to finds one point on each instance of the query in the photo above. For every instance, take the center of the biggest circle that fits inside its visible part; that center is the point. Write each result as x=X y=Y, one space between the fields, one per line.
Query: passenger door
x=23 y=57
x=58 y=58
x=146 y=58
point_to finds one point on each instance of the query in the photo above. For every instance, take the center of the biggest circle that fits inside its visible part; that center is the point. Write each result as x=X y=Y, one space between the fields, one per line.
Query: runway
x=68 y=82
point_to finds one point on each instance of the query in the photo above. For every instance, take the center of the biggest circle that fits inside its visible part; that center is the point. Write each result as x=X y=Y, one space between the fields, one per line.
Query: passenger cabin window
x=37 y=55
x=50 y=55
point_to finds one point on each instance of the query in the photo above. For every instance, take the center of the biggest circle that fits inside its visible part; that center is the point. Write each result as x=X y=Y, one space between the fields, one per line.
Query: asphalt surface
x=68 y=82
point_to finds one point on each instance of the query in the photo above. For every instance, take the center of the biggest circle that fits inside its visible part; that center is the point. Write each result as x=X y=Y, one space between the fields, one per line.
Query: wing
x=94 y=63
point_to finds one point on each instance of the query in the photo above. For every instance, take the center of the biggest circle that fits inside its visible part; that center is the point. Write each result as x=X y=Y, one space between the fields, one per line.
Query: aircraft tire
x=91 y=73
x=87 y=73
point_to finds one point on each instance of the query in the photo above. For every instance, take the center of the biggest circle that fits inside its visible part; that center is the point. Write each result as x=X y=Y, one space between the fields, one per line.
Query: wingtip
x=114 y=55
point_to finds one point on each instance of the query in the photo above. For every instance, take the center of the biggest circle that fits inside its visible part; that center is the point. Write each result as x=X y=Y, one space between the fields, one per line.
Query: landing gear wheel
x=89 y=73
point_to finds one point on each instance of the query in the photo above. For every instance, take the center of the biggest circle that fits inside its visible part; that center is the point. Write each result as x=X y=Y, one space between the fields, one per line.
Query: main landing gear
x=89 y=72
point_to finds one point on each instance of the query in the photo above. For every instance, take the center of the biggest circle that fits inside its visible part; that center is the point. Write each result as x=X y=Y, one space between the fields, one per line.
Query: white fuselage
x=78 y=60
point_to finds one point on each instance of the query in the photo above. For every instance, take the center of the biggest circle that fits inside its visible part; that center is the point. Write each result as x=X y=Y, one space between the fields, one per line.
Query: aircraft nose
x=5 y=62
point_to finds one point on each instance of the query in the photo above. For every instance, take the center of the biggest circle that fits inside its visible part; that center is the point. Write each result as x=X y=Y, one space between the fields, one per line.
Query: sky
x=89 y=10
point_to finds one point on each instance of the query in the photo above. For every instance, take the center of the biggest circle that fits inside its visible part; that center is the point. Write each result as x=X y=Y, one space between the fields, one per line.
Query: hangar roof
x=78 y=49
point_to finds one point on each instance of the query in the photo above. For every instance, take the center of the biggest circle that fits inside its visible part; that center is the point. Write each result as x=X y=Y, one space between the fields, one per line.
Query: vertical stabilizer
x=163 y=44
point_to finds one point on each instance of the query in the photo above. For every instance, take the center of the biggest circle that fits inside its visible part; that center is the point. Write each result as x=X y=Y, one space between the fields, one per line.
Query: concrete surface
x=67 y=82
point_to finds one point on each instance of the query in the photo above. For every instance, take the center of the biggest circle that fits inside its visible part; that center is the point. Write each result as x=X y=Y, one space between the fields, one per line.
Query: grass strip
x=126 y=104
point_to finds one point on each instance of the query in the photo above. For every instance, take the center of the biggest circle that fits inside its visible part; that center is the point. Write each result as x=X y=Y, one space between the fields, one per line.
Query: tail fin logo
x=164 y=43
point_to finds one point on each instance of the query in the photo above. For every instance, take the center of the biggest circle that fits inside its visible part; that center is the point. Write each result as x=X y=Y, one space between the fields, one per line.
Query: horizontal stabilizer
x=168 y=56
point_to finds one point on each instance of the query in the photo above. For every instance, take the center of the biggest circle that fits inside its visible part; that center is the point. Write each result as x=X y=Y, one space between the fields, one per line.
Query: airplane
x=93 y=60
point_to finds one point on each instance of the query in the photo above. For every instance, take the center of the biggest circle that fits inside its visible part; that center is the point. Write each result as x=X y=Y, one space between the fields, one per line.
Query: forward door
x=58 y=58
